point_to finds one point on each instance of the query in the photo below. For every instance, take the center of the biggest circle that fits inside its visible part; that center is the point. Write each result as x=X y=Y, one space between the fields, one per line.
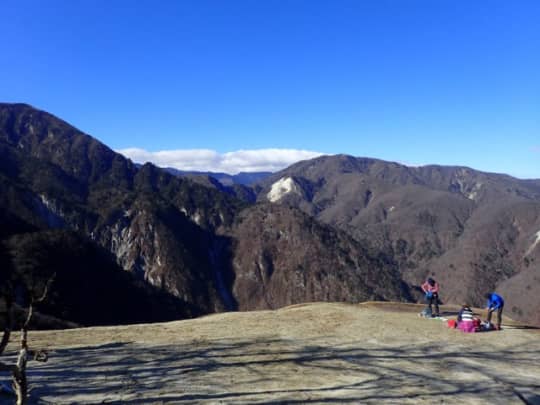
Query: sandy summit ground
x=312 y=353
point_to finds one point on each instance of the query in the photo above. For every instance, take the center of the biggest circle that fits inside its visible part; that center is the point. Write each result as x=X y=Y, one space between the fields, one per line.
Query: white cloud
x=257 y=160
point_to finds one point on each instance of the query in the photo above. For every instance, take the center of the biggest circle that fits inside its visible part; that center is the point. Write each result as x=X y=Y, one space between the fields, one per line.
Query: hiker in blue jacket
x=495 y=302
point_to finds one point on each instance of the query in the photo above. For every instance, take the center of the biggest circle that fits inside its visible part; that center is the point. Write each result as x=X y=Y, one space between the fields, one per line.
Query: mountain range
x=244 y=178
x=155 y=245
x=474 y=232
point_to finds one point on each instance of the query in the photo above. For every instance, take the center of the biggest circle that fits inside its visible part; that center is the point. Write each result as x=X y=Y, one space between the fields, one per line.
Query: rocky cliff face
x=89 y=287
x=159 y=227
x=283 y=256
x=195 y=242
x=473 y=231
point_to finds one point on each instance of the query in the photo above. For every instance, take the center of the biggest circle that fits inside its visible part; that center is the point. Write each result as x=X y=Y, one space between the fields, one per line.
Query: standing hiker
x=495 y=303
x=431 y=290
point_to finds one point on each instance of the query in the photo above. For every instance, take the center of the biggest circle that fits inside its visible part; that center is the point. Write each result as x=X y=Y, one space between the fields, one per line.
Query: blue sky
x=250 y=85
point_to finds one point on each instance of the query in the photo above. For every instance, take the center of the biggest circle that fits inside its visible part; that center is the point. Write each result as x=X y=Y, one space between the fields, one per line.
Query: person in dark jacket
x=431 y=290
x=495 y=303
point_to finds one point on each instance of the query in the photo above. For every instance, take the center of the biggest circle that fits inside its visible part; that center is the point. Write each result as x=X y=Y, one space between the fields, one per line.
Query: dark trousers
x=433 y=300
x=499 y=315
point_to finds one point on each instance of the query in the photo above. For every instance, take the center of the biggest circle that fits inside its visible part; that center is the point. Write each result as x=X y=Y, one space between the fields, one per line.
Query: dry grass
x=309 y=353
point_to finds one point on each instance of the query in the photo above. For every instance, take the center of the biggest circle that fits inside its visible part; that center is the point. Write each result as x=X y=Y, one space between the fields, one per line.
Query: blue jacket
x=495 y=301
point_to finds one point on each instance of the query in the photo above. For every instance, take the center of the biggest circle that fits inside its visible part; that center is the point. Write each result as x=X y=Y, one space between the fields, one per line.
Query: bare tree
x=18 y=370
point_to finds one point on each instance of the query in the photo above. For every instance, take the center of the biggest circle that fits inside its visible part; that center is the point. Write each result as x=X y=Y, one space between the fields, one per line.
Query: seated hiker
x=431 y=290
x=495 y=303
x=465 y=319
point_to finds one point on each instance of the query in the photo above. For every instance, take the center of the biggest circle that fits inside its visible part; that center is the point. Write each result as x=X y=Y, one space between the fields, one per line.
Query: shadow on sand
x=275 y=371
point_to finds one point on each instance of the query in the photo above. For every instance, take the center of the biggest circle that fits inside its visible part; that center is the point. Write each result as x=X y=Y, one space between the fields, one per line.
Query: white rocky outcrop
x=536 y=237
x=50 y=211
x=281 y=188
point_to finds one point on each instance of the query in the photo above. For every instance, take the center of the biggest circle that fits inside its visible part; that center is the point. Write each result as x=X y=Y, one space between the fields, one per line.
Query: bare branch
x=29 y=315
x=8 y=326
x=19 y=377
x=18 y=370
x=40 y=299
x=5 y=339
x=46 y=289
